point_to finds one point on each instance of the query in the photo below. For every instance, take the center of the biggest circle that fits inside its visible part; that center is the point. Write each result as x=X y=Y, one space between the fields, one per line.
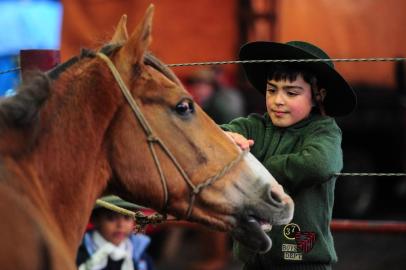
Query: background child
x=299 y=142
x=111 y=244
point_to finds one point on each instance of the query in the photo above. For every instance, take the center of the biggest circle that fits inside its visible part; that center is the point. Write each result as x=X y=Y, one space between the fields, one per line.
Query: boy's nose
x=279 y=100
x=121 y=221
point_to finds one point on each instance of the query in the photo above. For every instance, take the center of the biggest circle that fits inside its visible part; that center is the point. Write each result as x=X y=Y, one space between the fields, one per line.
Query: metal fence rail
x=368 y=226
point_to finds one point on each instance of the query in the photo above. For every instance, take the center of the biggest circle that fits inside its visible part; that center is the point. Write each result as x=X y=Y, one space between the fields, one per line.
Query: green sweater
x=303 y=158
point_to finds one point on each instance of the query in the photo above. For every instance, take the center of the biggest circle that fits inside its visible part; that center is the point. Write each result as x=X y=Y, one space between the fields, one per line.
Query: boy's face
x=114 y=227
x=288 y=102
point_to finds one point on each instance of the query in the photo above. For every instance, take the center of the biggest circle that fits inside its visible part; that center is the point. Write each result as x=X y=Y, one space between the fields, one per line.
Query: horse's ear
x=120 y=35
x=140 y=39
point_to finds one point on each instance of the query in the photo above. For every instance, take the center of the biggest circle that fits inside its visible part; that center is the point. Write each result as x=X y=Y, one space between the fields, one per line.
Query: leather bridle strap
x=152 y=139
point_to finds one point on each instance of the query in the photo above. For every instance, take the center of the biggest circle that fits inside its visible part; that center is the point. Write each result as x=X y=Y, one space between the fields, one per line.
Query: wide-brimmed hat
x=340 y=99
x=117 y=201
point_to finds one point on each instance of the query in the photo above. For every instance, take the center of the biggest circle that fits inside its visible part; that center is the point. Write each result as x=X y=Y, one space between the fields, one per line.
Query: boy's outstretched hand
x=240 y=140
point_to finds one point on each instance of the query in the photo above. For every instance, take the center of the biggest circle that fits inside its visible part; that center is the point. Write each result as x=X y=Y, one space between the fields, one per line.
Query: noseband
x=152 y=140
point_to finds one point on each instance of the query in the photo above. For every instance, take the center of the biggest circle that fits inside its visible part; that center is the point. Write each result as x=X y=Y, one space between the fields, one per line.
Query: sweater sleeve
x=244 y=125
x=317 y=160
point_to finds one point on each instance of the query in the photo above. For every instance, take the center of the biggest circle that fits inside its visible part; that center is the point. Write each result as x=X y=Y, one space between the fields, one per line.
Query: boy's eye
x=271 y=90
x=291 y=93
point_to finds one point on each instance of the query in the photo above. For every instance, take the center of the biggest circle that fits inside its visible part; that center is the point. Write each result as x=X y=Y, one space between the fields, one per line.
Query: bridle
x=152 y=139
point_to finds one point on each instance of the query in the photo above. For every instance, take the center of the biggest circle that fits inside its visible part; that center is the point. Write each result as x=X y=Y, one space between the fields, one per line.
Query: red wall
x=349 y=29
x=183 y=30
x=207 y=30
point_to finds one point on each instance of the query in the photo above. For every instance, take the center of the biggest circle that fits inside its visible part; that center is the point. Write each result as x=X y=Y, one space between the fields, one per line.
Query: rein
x=152 y=140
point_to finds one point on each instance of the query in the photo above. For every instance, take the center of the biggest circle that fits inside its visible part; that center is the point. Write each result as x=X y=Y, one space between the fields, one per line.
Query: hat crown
x=312 y=50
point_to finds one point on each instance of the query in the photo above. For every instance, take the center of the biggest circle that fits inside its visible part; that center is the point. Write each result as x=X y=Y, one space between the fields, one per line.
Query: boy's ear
x=323 y=94
x=318 y=100
x=320 y=95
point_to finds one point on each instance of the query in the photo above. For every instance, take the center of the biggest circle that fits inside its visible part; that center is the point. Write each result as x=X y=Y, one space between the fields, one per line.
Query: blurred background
x=374 y=136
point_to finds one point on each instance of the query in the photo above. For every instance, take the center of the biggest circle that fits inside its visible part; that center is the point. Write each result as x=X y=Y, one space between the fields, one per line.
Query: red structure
x=42 y=60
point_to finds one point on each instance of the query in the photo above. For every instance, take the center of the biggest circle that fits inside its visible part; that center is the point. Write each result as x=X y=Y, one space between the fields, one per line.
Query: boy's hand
x=240 y=140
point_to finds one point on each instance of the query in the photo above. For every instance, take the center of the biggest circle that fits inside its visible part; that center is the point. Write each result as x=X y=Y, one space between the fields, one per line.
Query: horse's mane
x=21 y=109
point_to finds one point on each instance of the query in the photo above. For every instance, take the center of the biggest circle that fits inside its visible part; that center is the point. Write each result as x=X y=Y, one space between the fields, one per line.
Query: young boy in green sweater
x=299 y=142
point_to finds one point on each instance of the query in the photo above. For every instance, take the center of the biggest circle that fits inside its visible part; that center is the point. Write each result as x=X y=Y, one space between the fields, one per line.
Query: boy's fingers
x=240 y=140
x=245 y=145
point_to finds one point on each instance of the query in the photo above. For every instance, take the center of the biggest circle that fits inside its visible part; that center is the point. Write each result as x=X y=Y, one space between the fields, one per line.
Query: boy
x=299 y=142
x=111 y=245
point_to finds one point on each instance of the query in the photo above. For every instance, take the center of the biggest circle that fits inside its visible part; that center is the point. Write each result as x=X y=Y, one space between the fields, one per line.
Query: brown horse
x=121 y=124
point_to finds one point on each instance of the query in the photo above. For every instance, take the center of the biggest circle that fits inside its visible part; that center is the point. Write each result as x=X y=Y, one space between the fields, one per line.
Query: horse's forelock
x=154 y=62
x=22 y=108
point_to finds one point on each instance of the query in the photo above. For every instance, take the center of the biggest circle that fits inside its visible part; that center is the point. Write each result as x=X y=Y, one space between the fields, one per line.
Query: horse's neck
x=70 y=156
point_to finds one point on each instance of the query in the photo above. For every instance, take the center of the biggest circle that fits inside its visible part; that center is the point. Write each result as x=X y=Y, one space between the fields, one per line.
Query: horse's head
x=166 y=153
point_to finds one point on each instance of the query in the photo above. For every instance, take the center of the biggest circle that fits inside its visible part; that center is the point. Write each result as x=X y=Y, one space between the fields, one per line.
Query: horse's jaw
x=265 y=204
x=257 y=202
x=252 y=225
x=258 y=240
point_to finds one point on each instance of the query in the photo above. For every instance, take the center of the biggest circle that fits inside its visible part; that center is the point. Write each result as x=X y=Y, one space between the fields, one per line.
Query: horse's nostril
x=274 y=197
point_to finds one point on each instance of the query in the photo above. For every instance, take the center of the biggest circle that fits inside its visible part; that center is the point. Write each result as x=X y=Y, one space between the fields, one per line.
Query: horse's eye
x=185 y=107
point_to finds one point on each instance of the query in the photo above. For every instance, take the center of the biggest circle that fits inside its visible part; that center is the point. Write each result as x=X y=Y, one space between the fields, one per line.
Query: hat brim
x=117 y=201
x=340 y=99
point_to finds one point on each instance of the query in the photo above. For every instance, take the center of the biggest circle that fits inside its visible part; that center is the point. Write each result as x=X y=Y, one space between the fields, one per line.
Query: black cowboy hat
x=340 y=99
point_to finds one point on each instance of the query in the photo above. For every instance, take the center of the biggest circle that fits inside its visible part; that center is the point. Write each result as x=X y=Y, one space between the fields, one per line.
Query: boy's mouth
x=279 y=113
x=119 y=234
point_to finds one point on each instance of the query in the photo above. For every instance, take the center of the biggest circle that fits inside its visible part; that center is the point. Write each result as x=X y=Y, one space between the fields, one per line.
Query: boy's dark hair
x=97 y=213
x=290 y=72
